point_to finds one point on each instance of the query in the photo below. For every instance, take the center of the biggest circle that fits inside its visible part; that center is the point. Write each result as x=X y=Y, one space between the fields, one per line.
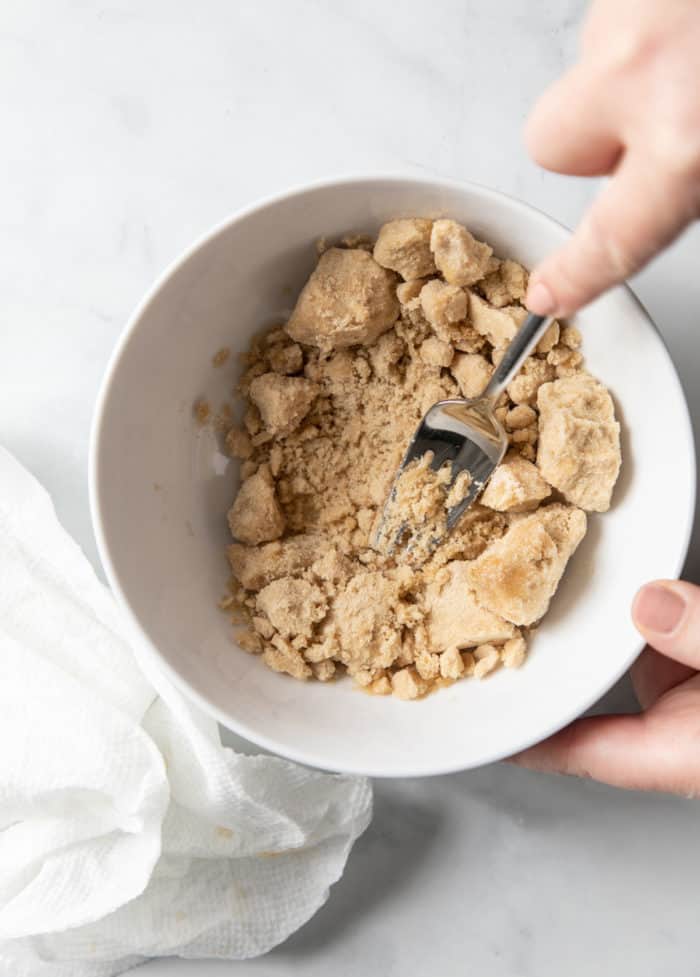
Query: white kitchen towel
x=126 y=829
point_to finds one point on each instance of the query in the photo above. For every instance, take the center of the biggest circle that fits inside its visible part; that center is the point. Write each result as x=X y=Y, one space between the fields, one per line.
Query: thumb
x=639 y=212
x=667 y=613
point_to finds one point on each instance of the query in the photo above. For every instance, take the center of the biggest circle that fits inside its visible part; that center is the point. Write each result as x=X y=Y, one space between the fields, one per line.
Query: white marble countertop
x=130 y=128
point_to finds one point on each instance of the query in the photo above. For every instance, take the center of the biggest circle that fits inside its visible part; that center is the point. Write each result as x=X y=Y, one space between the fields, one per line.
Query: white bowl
x=160 y=489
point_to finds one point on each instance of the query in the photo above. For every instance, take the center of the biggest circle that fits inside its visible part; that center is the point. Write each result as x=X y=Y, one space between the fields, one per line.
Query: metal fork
x=465 y=433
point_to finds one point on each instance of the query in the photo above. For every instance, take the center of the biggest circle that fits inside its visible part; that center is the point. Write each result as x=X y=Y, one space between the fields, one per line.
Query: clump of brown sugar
x=221 y=356
x=381 y=331
x=202 y=411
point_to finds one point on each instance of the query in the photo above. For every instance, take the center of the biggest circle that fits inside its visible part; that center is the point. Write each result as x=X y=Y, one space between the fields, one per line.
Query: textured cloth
x=126 y=829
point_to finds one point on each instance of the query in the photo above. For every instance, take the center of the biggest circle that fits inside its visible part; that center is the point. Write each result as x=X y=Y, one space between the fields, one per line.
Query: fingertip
x=551 y=290
x=658 y=609
x=539 y=298
x=667 y=614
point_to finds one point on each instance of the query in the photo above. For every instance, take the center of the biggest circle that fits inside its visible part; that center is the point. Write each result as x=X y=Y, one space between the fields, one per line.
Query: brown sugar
x=348 y=299
x=202 y=411
x=420 y=502
x=579 y=440
x=404 y=246
x=283 y=401
x=455 y=619
x=221 y=356
x=292 y=606
x=472 y=371
x=460 y=257
x=498 y=326
x=256 y=516
x=515 y=486
x=517 y=575
x=443 y=304
x=505 y=285
x=331 y=401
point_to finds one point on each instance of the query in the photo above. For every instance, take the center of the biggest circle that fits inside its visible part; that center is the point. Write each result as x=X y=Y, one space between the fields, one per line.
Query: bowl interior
x=161 y=488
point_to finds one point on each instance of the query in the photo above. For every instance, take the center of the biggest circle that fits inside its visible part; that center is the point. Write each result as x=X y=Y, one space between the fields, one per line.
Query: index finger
x=641 y=210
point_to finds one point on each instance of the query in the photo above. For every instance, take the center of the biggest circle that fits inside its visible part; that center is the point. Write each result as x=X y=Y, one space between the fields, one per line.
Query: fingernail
x=539 y=299
x=659 y=609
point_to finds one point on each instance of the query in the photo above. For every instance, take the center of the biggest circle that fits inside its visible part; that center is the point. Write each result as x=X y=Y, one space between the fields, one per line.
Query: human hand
x=630 y=108
x=658 y=749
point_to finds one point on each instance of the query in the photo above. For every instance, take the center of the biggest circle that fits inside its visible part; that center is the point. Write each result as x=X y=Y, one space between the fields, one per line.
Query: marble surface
x=129 y=129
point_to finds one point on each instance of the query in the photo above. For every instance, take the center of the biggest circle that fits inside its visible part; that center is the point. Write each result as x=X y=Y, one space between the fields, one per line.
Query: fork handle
x=520 y=347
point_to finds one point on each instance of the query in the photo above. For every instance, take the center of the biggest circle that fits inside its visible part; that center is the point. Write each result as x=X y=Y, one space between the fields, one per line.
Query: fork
x=465 y=434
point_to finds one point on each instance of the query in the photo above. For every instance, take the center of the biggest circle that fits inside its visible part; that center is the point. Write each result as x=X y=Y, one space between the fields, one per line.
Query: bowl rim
x=147 y=653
